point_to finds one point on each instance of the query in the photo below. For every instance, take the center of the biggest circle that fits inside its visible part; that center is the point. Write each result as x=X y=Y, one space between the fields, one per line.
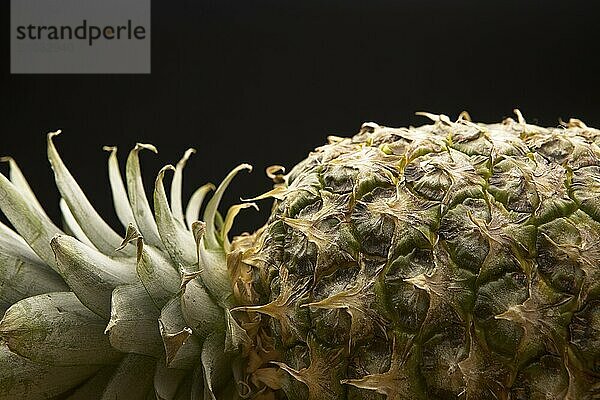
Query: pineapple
x=449 y=261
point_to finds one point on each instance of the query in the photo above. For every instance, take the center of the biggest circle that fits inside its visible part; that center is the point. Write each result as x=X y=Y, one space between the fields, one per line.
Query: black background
x=265 y=82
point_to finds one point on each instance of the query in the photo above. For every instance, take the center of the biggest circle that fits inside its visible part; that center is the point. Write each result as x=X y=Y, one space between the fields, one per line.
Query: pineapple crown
x=158 y=299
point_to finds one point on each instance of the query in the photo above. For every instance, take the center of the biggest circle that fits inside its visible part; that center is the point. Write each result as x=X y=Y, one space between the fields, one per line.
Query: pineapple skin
x=449 y=261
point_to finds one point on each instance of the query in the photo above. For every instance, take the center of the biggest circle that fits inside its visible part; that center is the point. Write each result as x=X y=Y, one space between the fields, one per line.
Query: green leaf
x=56 y=329
x=176 y=185
x=213 y=205
x=90 y=274
x=155 y=271
x=236 y=337
x=132 y=379
x=95 y=228
x=228 y=223
x=32 y=224
x=18 y=179
x=182 y=348
x=178 y=241
x=133 y=325
x=199 y=310
x=91 y=389
x=213 y=267
x=11 y=244
x=137 y=196
x=216 y=364
x=20 y=278
x=119 y=193
x=192 y=211
x=71 y=226
x=24 y=379
x=167 y=381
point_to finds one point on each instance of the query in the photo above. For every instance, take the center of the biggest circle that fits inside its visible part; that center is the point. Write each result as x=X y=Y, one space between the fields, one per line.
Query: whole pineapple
x=450 y=261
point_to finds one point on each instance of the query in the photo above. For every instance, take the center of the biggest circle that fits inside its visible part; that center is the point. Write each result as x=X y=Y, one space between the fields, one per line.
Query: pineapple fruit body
x=449 y=261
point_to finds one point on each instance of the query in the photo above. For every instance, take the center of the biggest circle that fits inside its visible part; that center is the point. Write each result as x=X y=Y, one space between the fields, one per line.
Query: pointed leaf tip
x=274 y=172
x=145 y=146
x=163 y=171
x=198 y=229
x=53 y=134
x=182 y=348
x=186 y=156
x=174 y=341
x=186 y=277
x=131 y=235
x=210 y=214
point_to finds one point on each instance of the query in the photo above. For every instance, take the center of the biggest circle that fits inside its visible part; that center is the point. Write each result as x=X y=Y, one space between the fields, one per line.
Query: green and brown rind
x=449 y=261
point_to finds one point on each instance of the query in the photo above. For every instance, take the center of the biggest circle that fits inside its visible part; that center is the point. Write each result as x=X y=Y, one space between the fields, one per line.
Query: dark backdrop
x=265 y=82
